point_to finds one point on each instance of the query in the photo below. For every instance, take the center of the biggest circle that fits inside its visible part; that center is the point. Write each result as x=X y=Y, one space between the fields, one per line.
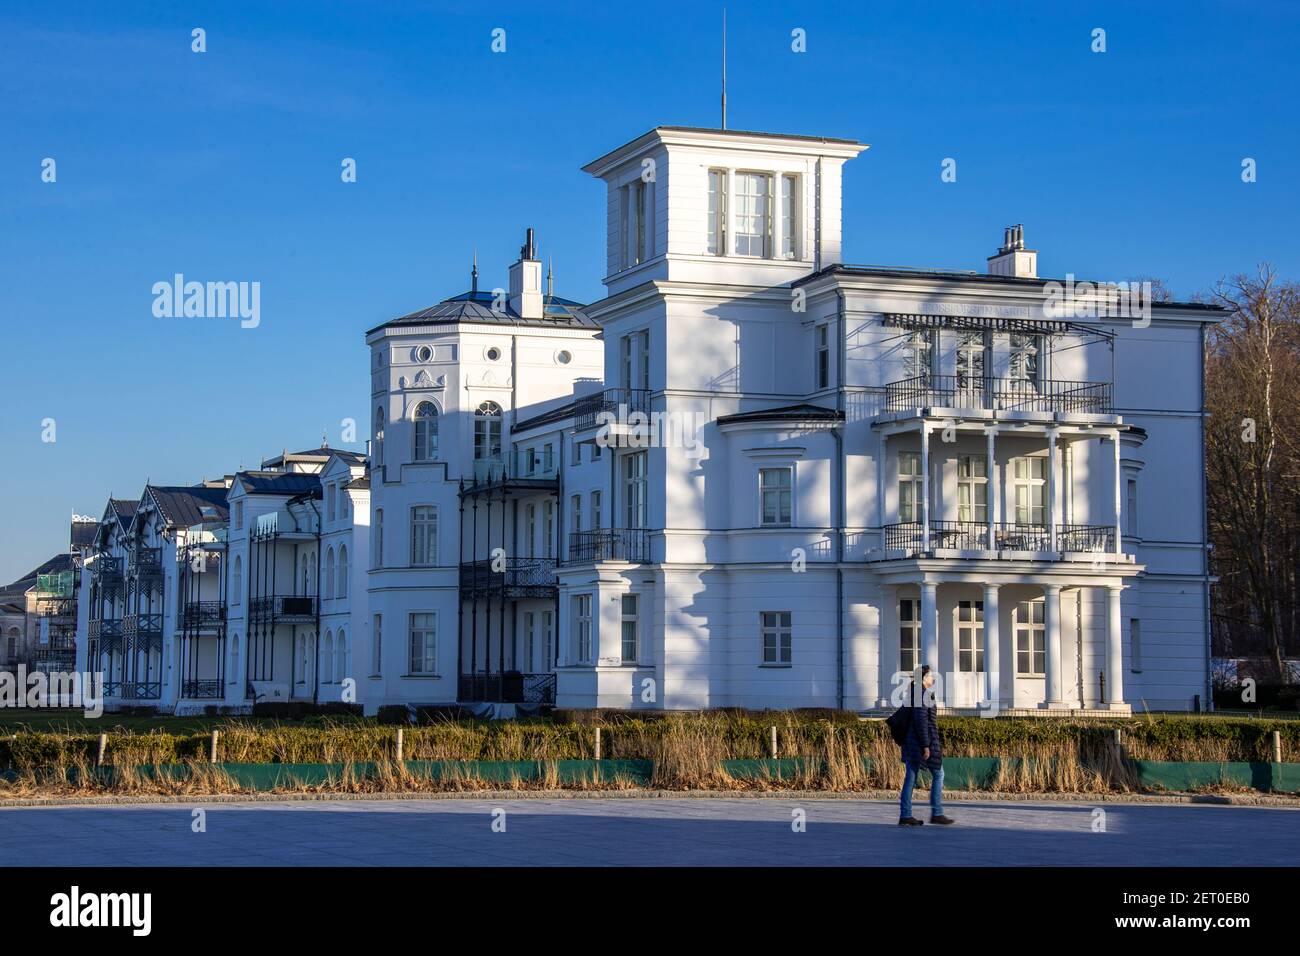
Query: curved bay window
x=426 y=432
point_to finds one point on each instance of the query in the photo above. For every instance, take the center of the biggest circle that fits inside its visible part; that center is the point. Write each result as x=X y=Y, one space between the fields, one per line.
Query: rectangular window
x=909 y=634
x=631 y=622
x=377 y=558
x=239 y=515
x=1024 y=358
x=775 y=488
x=548 y=638
x=1131 y=505
x=637 y=222
x=1028 y=484
x=330 y=502
x=789 y=217
x=576 y=515
x=1031 y=651
x=377 y=646
x=916 y=356
x=823 y=357
x=718 y=212
x=970 y=636
x=595 y=511
x=424 y=643
x=634 y=489
x=581 y=609
x=972 y=488
x=970 y=364
x=1135 y=645
x=530 y=640
x=776 y=637
x=548 y=528
x=424 y=536
x=909 y=486
x=530 y=529
x=754 y=214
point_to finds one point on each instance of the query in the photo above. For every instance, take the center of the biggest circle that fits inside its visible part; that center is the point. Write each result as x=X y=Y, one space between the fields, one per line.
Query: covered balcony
x=613 y=405
x=965 y=393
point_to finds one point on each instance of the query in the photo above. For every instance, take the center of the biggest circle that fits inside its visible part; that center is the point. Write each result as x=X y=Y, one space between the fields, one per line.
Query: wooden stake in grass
x=774 y=741
x=399 y=744
x=212 y=749
x=597 y=743
x=1277 y=746
x=103 y=746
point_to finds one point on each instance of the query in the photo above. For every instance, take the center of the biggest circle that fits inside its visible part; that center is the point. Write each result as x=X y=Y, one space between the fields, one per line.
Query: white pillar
x=930 y=625
x=1114 y=650
x=1051 y=488
x=991 y=487
x=1052 y=643
x=992 y=647
x=925 y=487
x=1119 y=495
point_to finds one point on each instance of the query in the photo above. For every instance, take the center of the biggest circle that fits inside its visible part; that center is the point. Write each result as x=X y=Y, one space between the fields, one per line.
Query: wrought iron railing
x=203 y=614
x=201 y=689
x=105 y=570
x=515 y=573
x=619 y=402
x=145 y=562
x=1007 y=536
x=1085 y=537
x=512 y=687
x=283 y=605
x=105 y=628
x=112 y=688
x=966 y=391
x=609 y=544
x=142 y=625
x=140 y=690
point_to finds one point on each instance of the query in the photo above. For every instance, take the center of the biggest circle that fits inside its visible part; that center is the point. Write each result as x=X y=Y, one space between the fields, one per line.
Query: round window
x=424 y=353
x=493 y=354
x=564 y=358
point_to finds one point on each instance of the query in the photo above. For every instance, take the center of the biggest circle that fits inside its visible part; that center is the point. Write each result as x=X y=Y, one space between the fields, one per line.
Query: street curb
x=1239 y=800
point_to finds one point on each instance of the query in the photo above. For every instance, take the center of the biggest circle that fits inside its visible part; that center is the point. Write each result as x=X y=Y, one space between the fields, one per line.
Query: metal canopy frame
x=919 y=321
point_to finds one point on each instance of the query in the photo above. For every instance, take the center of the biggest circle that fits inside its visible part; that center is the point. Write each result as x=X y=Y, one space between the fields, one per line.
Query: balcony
x=511 y=687
x=105 y=629
x=594 y=410
x=143 y=626
x=288 y=608
x=522 y=470
x=518 y=578
x=137 y=689
x=199 y=615
x=106 y=572
x=201 y=689
x=145 y=563
x=909 y=538
x=610 y=544
x=1002 y=395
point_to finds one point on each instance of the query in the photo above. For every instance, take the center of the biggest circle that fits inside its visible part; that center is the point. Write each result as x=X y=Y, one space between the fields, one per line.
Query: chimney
x=526 y=281
x=1012 y=258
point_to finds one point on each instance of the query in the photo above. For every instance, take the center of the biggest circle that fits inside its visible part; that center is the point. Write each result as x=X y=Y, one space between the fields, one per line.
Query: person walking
x=922 y=747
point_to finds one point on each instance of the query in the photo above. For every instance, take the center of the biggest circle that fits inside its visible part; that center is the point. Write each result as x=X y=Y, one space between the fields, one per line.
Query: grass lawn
x=16 y=720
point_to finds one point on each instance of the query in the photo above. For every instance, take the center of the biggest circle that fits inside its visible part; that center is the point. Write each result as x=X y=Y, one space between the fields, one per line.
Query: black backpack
x=899 y=723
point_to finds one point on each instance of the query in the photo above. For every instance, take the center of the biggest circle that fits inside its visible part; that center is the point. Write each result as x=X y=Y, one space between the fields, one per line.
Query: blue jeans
x=936 y=792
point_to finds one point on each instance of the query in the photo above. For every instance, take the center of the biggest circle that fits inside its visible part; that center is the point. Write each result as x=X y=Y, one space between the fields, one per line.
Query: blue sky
x=225 y=166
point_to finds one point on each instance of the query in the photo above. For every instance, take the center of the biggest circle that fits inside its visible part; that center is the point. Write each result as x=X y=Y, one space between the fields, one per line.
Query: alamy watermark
x=209 y=300
x=39 y=689
x=1094 y=300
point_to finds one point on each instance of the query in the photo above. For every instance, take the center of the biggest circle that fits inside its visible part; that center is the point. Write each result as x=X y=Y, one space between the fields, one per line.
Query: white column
x=1119 y=496
x=1052 y=643
x=991 y=487
x=1051 y=488
x=925 y=487
x=1114 y=650
x=930 y=625
x=992 y=647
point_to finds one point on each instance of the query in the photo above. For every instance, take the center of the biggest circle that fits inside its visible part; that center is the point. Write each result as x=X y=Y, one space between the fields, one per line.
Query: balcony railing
x=609 y=544
x=145 y=562
x=138 y=626
x=138 y=689
x=283 y=606
x=518 y=576
x=1007 y=536
x=524 y=465
x=201 y=689
x=200 y=614
x=512 y=687
x=106 y=570
x=1018 y=395
x=106 y=628
x=619 y=402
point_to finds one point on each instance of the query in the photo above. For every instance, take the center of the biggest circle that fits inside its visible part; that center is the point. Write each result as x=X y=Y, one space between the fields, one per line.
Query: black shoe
x=912 y=822
x=943 y=821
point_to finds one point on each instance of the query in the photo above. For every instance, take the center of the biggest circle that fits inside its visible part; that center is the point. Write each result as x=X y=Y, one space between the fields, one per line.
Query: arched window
x=303 y=660
x=379 y=438
x=487 y=432
x=426 y=432
x=327 y=588
x=237 y=581
x=342 y=589
x=341 y=658
x=306 y=576
x=327 y=659
x=235 y=676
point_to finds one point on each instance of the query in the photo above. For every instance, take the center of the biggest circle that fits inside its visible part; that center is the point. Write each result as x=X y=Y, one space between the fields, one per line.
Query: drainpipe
x=841 y=500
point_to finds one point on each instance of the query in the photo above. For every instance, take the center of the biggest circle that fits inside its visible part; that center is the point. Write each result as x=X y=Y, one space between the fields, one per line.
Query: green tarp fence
x=960 y=773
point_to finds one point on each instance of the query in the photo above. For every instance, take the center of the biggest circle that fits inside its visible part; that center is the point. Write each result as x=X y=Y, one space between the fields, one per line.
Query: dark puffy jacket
x=922 y=732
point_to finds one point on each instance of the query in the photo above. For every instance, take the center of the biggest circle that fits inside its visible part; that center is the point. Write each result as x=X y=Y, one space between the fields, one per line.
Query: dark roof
x=320 y=453
x=966 y=275
x=361 y=484
x=278 y=482
x=83 y=534
x=477 y=308
x=567 y=410
x=181 y=507
x=60 y=562
x=801 y=412
x=125 y=509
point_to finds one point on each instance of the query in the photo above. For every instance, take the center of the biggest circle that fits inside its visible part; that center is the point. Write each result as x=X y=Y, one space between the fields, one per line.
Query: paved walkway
x=645 y=832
